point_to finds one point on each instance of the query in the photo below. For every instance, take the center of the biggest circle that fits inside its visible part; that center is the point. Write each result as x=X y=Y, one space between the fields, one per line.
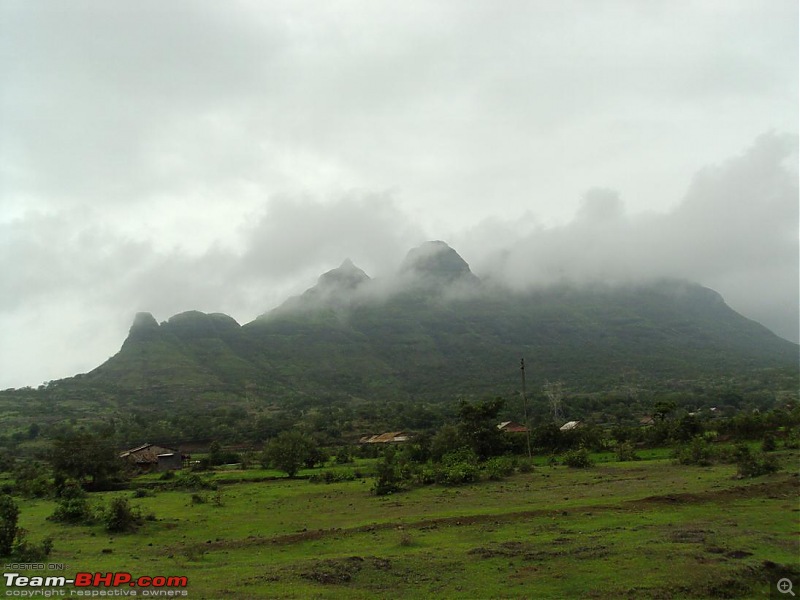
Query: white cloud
x=197 y=154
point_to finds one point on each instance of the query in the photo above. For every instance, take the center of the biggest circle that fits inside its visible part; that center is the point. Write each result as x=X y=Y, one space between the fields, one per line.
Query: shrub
x=792 y=441
x=9 y=513
x=344 y=456
x=525 y=465
x=142 y=493
x=578 y=459
x=698 y=452
x=499 y=467
x=333 y=476
x=426 y=474
x=626 y=452
x=768 y=444
x=28 y=552
x=753 y=465
x=458 y=467
x=389 y=475
x=120 y=517
x=13 y=542
x=31 y=479
x=73 y=505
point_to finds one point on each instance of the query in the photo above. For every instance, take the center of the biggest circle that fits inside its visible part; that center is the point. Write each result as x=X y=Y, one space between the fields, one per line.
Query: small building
x=150 y=457
x=512 y=427
x=646 y=421
x=570 y=426
x=391 y=437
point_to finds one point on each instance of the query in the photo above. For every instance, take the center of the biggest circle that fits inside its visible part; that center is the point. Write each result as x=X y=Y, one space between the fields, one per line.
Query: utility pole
x=525 y=407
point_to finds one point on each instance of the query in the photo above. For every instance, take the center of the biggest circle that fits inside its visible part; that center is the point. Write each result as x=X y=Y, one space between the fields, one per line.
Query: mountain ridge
x=437 y=331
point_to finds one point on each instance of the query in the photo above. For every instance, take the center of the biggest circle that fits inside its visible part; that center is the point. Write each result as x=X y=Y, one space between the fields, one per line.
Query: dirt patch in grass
x=782 y=488
x=333 y=571
x=528 y=551
x=689 y=536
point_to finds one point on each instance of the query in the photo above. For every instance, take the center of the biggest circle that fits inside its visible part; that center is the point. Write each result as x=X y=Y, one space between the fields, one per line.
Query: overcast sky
x=219 y=156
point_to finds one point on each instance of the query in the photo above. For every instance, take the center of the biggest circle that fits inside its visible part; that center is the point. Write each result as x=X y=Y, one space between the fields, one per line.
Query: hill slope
x=436 y=332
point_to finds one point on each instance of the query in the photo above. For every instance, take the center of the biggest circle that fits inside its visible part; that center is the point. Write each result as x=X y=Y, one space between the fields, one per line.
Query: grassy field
x=648 y=529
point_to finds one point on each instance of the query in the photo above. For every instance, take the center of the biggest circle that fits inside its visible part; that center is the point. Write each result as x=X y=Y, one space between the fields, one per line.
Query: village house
x=571 y=426
x=392 y=437
x=511 y=427
x=150 y=457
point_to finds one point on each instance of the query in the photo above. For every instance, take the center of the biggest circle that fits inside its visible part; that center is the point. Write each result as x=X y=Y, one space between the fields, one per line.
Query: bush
x=9 y=514
x=458 y=467
x=13 y=542
x=120 y=517
x=525 y=465
x=626 y=452
x=698 y=452
x=499 y=467
x=792 y=441
x=753 y=465
x=73 y=505
x=578 y=459
x=32 y=480
x=28 y=552
x=768 y=444
x=389 y=475
x=344 y=456
x=333 y=476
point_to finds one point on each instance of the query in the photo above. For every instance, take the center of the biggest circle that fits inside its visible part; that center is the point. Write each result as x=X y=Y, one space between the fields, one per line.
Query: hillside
x=436 y=332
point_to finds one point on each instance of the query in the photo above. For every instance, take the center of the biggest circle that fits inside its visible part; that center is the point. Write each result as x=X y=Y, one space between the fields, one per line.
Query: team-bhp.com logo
x=94 y=584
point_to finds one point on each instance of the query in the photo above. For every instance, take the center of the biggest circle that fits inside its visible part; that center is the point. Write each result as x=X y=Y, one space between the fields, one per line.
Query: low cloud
x=71 y=283
x=736 y=230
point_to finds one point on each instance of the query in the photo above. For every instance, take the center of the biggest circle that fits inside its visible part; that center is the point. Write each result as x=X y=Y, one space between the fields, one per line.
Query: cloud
x=198 y=154
x=735 y=231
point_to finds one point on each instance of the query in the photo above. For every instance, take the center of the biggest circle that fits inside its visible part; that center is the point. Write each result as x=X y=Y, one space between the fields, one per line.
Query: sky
x=219 y=156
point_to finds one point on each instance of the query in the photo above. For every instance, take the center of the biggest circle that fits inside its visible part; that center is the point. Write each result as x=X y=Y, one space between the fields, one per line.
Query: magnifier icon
x=785 y=586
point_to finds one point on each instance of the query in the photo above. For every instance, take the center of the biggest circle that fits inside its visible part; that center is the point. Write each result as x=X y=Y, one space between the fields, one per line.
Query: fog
x=220 y=157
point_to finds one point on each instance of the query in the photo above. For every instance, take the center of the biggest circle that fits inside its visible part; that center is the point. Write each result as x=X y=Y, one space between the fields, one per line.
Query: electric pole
x=525 y=407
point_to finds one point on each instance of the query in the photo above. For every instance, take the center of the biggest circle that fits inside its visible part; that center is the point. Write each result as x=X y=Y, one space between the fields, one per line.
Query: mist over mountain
x=435 y=331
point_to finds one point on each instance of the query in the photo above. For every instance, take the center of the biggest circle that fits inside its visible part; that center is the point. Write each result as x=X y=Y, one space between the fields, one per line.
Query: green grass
x=646 y=529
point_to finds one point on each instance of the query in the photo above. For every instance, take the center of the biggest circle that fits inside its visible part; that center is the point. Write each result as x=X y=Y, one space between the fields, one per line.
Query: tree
x=85 y=457
x=9 y=513
x=478 y=427
x=662 y=408
x=288 y=452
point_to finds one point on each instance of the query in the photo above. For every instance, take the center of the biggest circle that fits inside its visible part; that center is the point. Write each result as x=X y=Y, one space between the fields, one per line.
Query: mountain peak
x=436 y=260
x=144 y=326
x=345 y=276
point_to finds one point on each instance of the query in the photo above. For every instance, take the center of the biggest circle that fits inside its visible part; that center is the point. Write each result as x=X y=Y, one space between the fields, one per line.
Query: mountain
x=435 y=331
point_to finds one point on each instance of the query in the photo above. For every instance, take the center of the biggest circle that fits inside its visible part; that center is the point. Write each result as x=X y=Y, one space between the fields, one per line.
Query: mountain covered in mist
x=435 y=331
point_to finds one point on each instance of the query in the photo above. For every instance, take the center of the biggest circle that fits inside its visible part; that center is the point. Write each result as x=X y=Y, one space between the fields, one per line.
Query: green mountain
x=435 y=331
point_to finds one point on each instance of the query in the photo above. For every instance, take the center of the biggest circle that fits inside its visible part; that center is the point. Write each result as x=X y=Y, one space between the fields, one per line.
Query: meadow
x=644 y=529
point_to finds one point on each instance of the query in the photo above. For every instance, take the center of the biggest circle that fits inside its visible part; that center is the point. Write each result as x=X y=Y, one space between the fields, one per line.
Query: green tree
x=85 y=457
x=663 y=408
x=9 y=513
x=478 y=427
x=288 y=452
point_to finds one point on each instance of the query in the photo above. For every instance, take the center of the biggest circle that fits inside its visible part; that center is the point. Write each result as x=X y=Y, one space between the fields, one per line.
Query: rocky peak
x=437 y=261
x=144 y=326
x=346 y=276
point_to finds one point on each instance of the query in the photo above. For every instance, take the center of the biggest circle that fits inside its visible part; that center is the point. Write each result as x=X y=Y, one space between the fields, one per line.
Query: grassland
x=648 y=529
